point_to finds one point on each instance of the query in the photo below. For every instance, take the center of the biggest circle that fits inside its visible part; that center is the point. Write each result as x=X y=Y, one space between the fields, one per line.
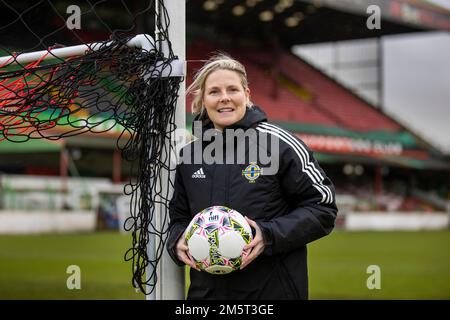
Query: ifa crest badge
x=252 y=172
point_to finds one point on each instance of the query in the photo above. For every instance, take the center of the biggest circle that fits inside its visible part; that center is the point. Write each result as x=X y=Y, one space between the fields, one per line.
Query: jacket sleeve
x=179 y=214
x=311 y=198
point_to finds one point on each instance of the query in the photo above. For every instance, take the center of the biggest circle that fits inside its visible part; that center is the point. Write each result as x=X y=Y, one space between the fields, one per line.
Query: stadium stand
x=331 y=104
x=296 y=94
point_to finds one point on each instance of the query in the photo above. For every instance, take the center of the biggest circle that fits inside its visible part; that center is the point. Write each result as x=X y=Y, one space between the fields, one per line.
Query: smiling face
x=225 y=98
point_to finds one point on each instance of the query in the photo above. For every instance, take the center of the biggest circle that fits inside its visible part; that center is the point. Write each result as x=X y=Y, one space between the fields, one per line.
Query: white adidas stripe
x=302 y=149
x=317 y=183
x=199 y=171
x=307 y=166
x=314 y=177
x=324 y=194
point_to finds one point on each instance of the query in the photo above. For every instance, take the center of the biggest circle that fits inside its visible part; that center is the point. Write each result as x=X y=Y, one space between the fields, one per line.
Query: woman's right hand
x=183 y=253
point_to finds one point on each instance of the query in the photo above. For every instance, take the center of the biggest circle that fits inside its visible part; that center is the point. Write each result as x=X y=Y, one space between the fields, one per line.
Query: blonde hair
x=217 y=62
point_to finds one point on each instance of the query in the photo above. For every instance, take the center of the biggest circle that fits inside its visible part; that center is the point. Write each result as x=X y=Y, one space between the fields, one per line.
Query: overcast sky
x=417 y=83
x=416 y=78
x=442 y=3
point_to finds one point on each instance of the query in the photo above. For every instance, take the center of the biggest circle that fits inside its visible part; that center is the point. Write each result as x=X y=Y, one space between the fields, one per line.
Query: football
x=216 y=237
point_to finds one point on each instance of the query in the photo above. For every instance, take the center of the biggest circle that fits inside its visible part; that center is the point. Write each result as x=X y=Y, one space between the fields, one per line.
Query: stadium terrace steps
x=329 y=103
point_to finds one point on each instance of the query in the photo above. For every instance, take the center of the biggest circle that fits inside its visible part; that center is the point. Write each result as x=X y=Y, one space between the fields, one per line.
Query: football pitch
x=411 y=265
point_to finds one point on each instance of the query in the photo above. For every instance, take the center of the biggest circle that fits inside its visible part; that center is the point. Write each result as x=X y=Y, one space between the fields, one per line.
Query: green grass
x=34 y=267
x=414 y=265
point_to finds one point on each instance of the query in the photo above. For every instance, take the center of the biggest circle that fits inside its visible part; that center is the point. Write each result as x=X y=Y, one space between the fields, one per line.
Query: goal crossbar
x=141 y=41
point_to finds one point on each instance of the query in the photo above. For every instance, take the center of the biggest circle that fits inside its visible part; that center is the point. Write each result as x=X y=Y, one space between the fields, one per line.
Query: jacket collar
x=252 y=117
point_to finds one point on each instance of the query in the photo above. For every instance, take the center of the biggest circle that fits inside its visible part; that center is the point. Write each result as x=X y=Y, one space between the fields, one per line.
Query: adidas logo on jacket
x=199 y=174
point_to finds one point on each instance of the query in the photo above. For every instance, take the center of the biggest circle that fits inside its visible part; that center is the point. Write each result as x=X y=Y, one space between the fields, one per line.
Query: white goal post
x=171 y=280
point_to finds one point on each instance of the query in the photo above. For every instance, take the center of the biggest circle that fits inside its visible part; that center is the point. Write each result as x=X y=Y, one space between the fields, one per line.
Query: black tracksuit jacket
x=293 y=207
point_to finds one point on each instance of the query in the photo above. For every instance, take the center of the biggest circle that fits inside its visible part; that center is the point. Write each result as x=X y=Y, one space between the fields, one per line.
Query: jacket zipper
x=212 y=184
x=227 y=187
x=227 y=178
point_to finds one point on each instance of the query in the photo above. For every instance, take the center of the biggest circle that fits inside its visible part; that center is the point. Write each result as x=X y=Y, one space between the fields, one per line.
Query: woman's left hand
x=256 y=246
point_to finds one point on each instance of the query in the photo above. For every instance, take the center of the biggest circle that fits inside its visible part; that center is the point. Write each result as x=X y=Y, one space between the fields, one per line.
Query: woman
x=287 y=208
